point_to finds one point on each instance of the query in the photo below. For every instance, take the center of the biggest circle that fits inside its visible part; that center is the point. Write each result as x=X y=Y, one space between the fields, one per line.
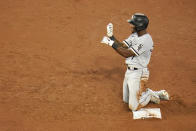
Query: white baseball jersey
x=142 y=46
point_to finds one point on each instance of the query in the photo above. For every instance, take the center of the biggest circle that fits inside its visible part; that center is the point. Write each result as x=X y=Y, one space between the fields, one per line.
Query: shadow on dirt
x=113 y=73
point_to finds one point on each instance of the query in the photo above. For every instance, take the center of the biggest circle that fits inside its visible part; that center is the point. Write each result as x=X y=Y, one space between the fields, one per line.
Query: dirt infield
x=56 y=76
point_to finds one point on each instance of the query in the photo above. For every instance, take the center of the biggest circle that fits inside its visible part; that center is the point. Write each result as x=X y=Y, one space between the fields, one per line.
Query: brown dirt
x=55 y=75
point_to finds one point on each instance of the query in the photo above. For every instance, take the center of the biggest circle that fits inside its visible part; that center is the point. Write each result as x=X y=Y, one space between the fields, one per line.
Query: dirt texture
x=56 y=76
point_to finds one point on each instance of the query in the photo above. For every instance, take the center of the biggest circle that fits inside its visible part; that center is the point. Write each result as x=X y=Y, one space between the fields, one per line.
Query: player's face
x=132 y=28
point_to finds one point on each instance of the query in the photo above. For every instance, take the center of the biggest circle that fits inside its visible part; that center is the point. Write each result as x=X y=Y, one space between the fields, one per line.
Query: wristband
x=112 y=38
x=115 y=46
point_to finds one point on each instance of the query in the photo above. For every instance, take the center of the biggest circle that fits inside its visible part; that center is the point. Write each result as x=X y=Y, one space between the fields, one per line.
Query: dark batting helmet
x=140 y=21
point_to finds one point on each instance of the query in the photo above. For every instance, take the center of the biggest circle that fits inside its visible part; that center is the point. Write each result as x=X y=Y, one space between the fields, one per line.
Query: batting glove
x=110 y=30
x=106 y=40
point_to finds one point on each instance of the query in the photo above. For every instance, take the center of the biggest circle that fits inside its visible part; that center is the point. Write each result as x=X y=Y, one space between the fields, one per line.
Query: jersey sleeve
x=128 y=44
x=128 y=41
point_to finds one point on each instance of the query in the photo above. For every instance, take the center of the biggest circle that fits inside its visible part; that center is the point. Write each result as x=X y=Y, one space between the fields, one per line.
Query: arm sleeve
x=128 y=44
x=128 y=41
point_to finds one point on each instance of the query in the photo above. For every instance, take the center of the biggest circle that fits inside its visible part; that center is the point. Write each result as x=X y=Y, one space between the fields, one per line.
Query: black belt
x=133 y=68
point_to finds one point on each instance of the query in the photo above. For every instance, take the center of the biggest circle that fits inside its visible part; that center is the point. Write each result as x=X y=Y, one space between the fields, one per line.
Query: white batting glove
x=110 y=30
x=106 y=40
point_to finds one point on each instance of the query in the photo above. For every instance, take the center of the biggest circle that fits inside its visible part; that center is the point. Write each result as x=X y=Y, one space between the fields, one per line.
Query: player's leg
x=144 y=98
x=147 y=95
x=162 y=94
x=139 y=96
x=133 y=86
x=143 y=83
x=125 y=91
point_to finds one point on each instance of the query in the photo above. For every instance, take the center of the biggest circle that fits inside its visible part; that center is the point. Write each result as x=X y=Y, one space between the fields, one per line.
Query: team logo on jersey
x=139 y=47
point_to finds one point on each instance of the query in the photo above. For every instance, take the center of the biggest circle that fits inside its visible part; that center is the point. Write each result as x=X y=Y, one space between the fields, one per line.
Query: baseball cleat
x=155 y=99
x=163 y=94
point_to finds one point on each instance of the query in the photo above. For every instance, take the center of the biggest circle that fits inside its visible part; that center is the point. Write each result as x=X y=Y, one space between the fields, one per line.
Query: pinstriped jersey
x=142 y=46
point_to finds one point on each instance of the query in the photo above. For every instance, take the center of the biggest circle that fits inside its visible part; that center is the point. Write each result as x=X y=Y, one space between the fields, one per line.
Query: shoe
x=155 y=99
x=163 y=94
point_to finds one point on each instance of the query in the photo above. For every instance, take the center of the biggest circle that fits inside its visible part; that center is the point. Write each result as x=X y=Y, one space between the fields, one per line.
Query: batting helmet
x=140 y=21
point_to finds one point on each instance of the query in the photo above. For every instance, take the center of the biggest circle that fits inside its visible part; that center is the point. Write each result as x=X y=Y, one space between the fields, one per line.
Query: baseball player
x=136 y=50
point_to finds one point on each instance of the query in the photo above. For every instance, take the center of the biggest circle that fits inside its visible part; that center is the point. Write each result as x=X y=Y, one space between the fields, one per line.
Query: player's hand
x=106 y=40
x=110 y=30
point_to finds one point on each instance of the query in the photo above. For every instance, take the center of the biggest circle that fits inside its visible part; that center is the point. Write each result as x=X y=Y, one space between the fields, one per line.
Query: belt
x=132 y=68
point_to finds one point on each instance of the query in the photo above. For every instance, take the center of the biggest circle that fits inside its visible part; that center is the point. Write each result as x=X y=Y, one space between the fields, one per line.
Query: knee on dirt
x=133 y=108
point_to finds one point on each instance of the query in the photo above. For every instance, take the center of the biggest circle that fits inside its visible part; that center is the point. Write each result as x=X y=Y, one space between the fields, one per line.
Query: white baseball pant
x=134 y=92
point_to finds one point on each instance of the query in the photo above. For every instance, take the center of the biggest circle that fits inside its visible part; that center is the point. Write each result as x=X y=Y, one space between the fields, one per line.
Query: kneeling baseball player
x=137 y=49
